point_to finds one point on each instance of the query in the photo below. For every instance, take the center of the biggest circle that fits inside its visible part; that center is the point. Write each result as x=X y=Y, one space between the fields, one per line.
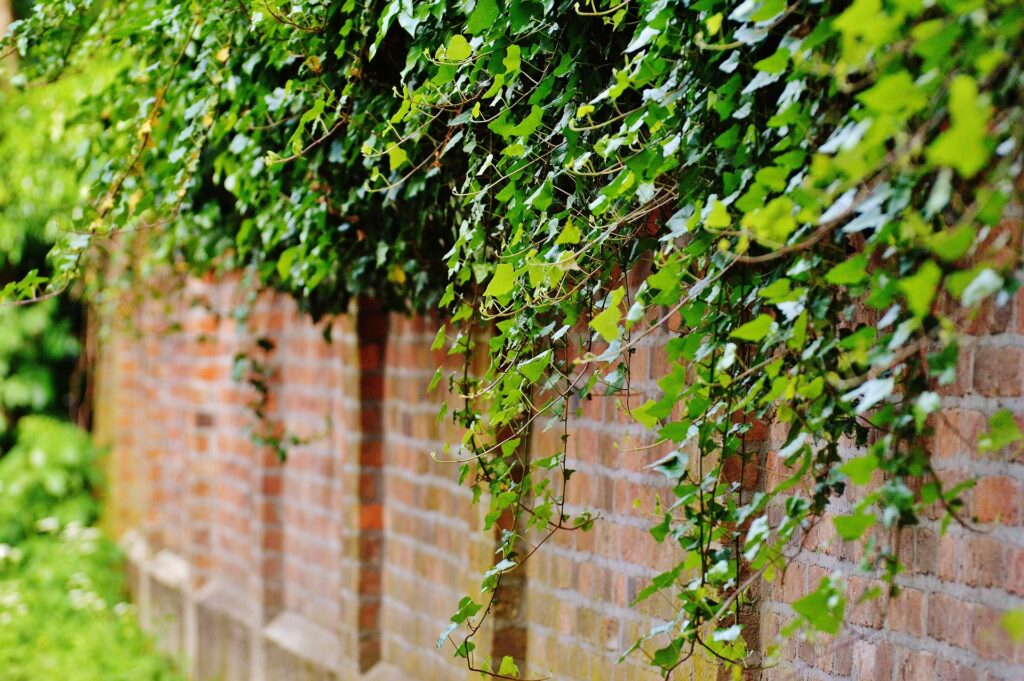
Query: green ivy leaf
x=952 y=244
x=503 y=281
x=534 y=368
x=483 y=17
x=849 y=272
x=397 y=157
x=1013 y=624
x=755 y=329
x=852 y=527
x=508 y=667
x=859 y=470
x=1002 y=432
x=963 y=146
x=921 y=287
x=823 y=608
x=570 y=234
x=607 y=322
x=458 y=49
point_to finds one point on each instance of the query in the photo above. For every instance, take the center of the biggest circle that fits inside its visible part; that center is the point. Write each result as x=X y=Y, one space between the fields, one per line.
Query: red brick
x=906 y=612
x=997 y=499
x=947 y=670
x=990 y=638
x=949 y=620
x=982 y=561
x=999 y=372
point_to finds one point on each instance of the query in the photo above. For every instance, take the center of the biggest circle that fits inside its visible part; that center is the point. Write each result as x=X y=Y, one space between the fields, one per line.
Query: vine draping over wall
x=811 y=193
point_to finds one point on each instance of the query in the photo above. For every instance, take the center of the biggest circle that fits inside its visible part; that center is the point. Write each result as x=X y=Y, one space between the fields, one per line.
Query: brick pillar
x=371 y=335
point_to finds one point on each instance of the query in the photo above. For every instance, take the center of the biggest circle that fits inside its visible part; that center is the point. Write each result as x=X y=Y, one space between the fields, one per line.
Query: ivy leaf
x=483 y=16
x=859 y=470
x=772 y=224
x=467 y=608
x=502 y=282
x=718 y=217
x=823 y=608
x=607 y=322
x=397 y=157
x=849 y=272
x=963 y=145
x=952 y=244
x=534 y=368
x=894 y=93
x=1002 y=431
x=284 y=263
x=1013 y=624
x=776 y=63
x=446 y=633
x=754 y=330
x=508 y=667
x=920 y=288
x=853 y=527
x=870 y=393
x=458 y=49
x=530 y=123
x=570 y=234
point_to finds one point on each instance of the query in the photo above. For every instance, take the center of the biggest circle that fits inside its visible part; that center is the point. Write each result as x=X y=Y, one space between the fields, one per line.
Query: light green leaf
x=853 y=527
x=607 y=322
x=859 y=470
x=458 y=49
x=530 y=123
x=534 y=368
x=963 y=146
x=772 y=224
x=508 y=667
x=952 y=244
x=718 y=217
x=397 y=157
x=776 y=63
x=823 y=608
x=920 y=288
x=1002 y=431
x=849 y=272
x=754 y=330
x=894 y=93
x=284 y=262
x=1013 y=624
x=570 y=234
x=502 y=282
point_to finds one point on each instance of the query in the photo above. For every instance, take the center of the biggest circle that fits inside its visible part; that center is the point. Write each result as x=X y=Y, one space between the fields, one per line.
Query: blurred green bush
x=63 y=613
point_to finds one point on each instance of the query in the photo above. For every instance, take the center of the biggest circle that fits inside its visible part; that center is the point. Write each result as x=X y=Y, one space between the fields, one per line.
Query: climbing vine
x=800 y=206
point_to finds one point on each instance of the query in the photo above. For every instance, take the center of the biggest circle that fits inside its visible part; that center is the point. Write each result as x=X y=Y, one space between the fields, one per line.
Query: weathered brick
x=996 y=499
x=999 y=371
x=906 y=612
x=949 y=620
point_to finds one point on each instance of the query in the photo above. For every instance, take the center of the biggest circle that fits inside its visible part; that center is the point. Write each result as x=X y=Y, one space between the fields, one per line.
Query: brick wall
x=347 y=561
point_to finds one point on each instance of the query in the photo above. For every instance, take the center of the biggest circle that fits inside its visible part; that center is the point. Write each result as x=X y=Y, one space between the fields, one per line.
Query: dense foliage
x=62 y=609
x=804 y=203
x=39 y=187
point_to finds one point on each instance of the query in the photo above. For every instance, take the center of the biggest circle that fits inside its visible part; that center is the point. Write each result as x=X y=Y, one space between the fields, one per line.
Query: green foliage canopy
x=809 y=198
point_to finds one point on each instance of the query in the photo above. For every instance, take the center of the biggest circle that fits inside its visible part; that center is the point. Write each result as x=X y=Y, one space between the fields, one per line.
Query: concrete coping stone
x=135 y=546
x=382 y=671
x=305 y=639
x=229 y=600
x=170 y=569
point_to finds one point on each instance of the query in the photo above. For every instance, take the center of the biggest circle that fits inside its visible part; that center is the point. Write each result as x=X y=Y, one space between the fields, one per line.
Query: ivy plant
x=799 y=205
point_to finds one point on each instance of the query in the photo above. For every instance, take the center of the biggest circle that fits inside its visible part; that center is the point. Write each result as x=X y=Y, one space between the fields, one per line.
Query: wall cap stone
x=305 y=639
x=170 y=569
x=227 y=599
